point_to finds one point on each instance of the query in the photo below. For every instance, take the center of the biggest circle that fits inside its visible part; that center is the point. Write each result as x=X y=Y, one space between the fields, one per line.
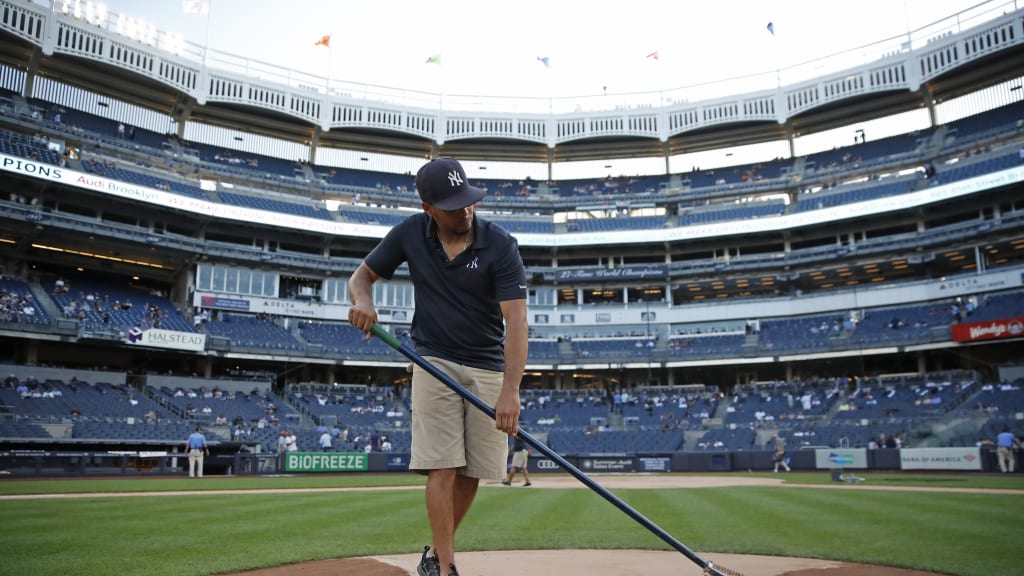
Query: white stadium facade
x=237 y=190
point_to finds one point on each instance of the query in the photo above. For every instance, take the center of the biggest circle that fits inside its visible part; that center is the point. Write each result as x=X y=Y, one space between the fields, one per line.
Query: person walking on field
x=197 y=450
x=1006 y=450
x=779 y=458
x=520 y=457
x=469 y=322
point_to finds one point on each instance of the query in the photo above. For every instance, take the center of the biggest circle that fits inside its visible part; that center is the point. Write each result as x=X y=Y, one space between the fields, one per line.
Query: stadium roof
x=121 y=83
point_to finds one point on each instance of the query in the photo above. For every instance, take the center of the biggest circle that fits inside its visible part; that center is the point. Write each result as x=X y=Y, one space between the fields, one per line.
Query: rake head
x=712 y=570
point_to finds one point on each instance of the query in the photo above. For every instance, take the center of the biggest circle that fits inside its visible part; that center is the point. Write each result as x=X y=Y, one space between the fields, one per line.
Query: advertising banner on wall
x=326 y=462
x=606 y=464
x=221 y=303
x=825 y=458
x=990 y=330
x=653 y=464
x=541 y=464
x=940 y=459
x=170 y=339
x=398 y=462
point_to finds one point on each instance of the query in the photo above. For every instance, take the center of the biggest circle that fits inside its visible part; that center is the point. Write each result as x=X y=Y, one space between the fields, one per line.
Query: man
x=779 y=459
x=470 y=322
x=1006 y=448
x=520 y=457
x=282 y=447
x=196 y=451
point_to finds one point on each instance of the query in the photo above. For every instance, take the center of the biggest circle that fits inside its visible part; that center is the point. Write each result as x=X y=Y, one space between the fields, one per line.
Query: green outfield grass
x=210 y=533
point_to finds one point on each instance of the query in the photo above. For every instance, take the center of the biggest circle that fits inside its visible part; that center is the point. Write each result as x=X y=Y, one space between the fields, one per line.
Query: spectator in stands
x=1006 y=450
x=325 y=441
x=520 y=457
x=468 y=278
x=779 y=458
x=197 y=450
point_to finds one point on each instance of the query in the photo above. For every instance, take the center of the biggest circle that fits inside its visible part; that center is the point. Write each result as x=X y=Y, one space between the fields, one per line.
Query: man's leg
x=199 y=465
x=449 y=498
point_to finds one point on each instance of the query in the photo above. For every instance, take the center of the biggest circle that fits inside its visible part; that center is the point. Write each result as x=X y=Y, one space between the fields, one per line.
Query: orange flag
x=325 y=41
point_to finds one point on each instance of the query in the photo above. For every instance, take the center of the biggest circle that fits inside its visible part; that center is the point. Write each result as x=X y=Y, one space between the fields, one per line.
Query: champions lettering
x=12 y=164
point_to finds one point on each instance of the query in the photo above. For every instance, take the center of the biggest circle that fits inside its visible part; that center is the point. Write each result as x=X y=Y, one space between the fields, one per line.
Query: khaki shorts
x=519 y=459
x=449 y=432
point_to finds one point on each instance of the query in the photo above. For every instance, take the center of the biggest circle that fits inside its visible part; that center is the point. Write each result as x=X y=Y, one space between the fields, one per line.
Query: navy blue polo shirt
x=458 y=314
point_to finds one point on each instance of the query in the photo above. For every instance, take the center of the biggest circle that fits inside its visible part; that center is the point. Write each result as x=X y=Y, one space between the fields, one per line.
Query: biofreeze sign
x=326 y=462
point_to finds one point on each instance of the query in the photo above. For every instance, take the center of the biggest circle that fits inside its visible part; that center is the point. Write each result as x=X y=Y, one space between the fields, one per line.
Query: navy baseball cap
x=442 y=183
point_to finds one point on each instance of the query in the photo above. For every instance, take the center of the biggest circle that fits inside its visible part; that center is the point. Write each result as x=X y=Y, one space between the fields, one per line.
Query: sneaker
x=429 y=565
x=452 y=571
x=505 y=483
x=527 y=484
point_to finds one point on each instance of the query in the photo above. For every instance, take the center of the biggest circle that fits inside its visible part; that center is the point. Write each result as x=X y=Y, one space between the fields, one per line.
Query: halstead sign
x=169 y=339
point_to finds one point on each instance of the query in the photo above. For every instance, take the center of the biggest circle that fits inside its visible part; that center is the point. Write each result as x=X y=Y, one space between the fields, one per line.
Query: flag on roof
x=324 y=41
x=653 y=55
x=546 y=61
x=435 y=59
x=201 y=7
x=771 y=28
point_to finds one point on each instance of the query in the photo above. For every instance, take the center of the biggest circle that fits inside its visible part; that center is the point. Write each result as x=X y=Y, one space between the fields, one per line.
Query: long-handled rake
x=708 y=568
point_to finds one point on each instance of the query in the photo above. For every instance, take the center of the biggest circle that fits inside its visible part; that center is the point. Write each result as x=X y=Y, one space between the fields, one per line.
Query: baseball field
x=962 y=524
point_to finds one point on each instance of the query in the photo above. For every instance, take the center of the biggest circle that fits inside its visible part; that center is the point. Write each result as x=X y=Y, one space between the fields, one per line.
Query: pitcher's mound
x=587 y=563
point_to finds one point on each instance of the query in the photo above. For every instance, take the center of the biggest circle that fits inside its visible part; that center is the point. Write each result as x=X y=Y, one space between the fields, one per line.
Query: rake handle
x=447 y=380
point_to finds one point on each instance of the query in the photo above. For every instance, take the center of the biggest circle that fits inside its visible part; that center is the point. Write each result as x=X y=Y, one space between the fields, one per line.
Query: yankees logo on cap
x=442 y=183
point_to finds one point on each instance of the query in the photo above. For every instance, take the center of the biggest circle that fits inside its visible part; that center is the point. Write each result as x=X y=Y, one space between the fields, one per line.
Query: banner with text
x=825 y=458
x=221 y=303
x=170 y=339
x=326 y=462
x=991 y=330
x=940 y=459
x=606 y=464
x=653 y=464
x=216 y=210
x=283 y=307
x=625 y=272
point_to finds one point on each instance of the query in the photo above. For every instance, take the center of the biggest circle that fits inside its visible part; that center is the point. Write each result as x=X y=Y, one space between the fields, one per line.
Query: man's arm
x=516 y=336
x=362 y=314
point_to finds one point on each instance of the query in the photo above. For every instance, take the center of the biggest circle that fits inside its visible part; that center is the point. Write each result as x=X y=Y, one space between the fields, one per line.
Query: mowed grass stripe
x=527 y=518
x=952 y=533
x=162 y=535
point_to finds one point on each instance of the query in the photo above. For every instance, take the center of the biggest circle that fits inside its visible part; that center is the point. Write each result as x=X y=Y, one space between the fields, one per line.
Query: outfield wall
x=231 y=460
